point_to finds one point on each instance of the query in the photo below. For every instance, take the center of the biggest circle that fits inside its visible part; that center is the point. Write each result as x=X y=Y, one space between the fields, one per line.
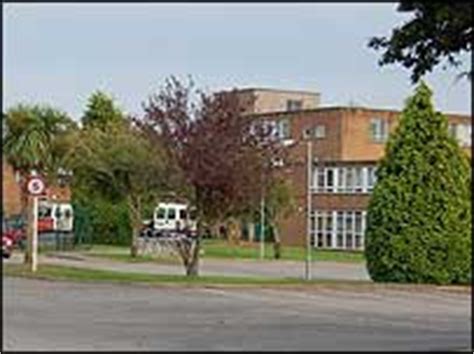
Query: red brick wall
x=347 y=140
x=11 y=193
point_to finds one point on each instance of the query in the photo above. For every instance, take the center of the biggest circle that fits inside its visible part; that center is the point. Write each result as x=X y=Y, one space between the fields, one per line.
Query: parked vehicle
x=7 y=246
x=14 y=232
x=55 y=216
x=169 y=218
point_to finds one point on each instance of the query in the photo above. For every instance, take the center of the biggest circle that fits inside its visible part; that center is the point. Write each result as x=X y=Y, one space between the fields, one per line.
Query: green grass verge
x=75 y=274
x=53 y=272
x=222 y=249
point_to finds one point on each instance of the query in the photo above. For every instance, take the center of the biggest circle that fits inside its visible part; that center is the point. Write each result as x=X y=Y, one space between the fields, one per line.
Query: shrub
x=419 y=215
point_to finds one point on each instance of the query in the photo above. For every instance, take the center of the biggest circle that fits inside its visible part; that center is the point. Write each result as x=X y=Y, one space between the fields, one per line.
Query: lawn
x=223 y=249
x=65 y=273
x=54 y=272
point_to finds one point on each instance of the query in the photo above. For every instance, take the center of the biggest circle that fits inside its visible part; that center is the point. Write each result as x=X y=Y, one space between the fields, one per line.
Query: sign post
x=35 y=187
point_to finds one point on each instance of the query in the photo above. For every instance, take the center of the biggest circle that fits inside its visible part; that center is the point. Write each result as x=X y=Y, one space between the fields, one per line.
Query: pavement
x=227 y=267
x=50 y=316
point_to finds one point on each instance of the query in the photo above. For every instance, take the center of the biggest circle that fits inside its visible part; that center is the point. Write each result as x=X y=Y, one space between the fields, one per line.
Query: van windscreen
x=160 y=214
x=171 y=214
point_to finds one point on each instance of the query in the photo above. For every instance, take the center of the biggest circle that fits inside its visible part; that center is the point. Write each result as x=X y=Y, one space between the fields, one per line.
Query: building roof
x=346 y=108
x=306 y=92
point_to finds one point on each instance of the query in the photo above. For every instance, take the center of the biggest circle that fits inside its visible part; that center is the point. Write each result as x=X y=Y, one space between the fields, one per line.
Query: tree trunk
x=192 y=265
x=192 y=268
x=234 y=232
x=251 y=231
x=135 y=215
x=276 y=242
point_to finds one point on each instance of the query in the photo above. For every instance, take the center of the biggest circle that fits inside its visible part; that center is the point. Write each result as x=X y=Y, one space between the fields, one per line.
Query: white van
x=173 y=216
x=55 y=216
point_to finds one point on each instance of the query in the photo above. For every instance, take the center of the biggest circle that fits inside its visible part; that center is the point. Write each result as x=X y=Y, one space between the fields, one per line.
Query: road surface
x=46 y=315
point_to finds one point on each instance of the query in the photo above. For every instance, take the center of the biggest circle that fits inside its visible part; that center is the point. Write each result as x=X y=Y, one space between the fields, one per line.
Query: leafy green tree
x=32 y=136
x=117 y=163
x=36 y=138
x=101 y=110
x=419 y=216
x=438 y=31
x=279 y=203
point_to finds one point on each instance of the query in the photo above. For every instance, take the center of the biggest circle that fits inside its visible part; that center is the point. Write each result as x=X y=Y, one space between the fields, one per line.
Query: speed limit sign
x=35 y=185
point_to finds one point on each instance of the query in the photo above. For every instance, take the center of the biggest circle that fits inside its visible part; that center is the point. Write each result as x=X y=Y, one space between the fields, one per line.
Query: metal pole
x=262 y=227
x=34 y=246
x=308 y=220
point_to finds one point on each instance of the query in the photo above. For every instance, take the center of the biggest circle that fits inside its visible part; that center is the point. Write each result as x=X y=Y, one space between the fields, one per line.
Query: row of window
x=336 y=229
x=461 y=132
x=379 y=130
x=343 y=179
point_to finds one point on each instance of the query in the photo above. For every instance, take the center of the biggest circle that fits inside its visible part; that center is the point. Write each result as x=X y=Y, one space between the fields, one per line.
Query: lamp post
x=308 y=208
x=262 y=227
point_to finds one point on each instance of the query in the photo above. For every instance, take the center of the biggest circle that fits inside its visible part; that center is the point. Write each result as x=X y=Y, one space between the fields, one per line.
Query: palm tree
x=31 y=140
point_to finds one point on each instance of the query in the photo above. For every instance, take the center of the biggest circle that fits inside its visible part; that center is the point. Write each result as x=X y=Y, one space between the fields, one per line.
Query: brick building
x=11 y=191
x=347 y=142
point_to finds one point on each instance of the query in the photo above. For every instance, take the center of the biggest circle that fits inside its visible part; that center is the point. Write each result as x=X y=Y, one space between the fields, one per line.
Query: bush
x=419 y=215
x=104 y=222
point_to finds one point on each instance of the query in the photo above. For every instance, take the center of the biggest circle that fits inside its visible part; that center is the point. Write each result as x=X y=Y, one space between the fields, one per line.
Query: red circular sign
x=35 y=185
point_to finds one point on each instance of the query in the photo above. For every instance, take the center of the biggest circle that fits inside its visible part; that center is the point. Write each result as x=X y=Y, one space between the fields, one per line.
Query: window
x=320 y=230
x=349 y=179
x=329 y=187
x=171 y=214
x=464 y=134
x=183 y=215
x=338 y=229
x=343 y=179
x=358 y=230
x=294 y=105
x=358 y=180
x=320 y=181
x=379 y=129
x=320 y=131
x=371 y=178
x=161 y=213
x=44 y=211
x=461 y=132
x=328 y=230
x=452 y=129
x=283 y=129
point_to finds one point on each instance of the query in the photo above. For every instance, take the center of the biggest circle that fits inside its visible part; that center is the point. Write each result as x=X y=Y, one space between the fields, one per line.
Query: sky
x=58 y=54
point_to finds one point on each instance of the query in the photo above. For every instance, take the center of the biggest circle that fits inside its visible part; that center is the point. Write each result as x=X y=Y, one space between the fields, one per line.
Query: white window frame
x=319 y=131
x=327 y=187
x=379 y=130
x=320 y=233
x=283 y=129
x=361 y=177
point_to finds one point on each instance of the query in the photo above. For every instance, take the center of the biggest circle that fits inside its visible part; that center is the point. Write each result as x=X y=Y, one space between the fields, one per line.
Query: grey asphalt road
x=45 y=315
x=228 y=267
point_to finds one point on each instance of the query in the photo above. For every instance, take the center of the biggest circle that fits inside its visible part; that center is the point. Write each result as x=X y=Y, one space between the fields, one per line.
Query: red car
x=7 y=246
x=11 y=236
